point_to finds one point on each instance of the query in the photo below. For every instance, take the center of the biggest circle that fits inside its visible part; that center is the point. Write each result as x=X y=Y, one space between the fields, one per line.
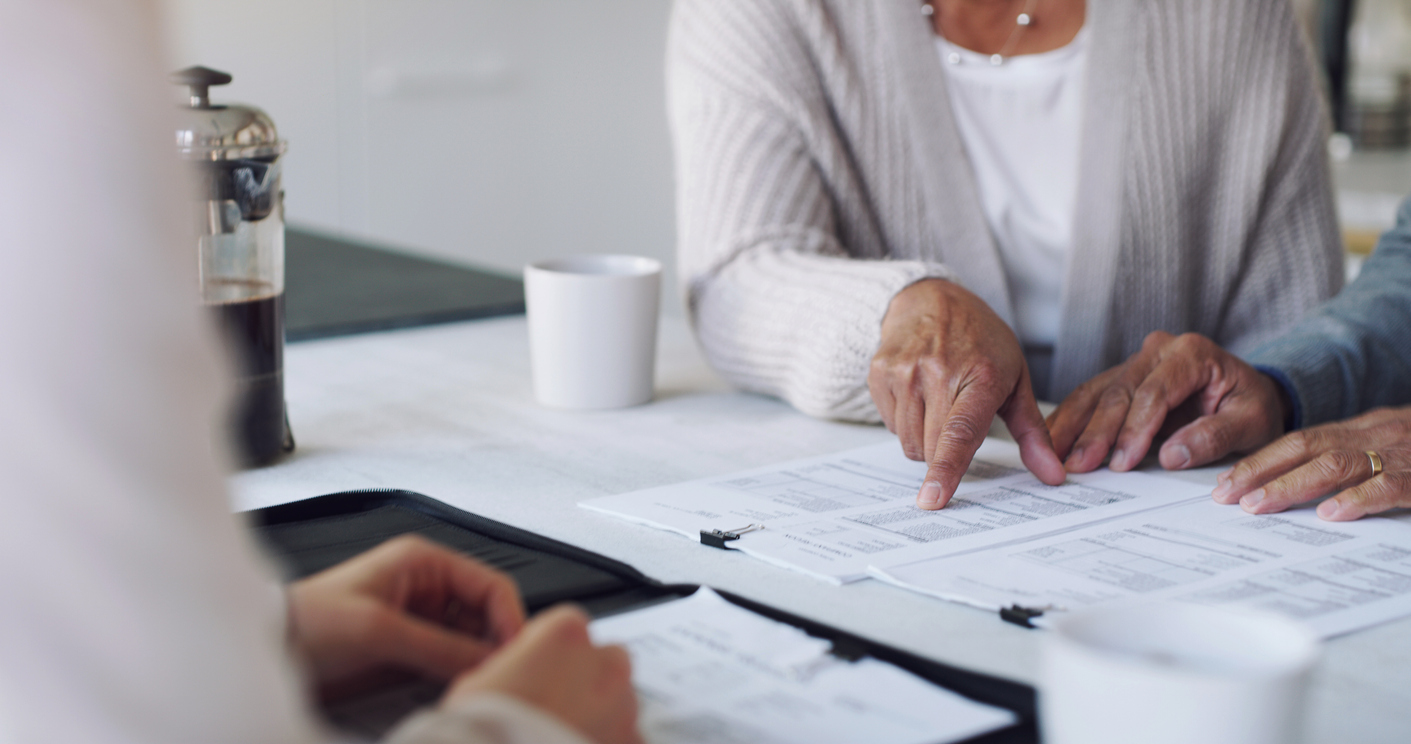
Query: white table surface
x=448 y=411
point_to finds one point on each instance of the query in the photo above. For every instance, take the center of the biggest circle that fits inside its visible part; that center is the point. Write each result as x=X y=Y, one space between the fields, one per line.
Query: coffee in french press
x=234 y=151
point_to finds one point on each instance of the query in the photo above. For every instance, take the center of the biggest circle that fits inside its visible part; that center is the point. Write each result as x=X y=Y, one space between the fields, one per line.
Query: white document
x=708 y=671
x=835 y=516
x=1337 y=577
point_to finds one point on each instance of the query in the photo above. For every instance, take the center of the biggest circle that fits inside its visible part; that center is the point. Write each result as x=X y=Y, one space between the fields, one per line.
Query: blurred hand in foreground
x=1210 y=401
x=408 y=604
x=554 y=666
x=1331 y=458
x=947 y=364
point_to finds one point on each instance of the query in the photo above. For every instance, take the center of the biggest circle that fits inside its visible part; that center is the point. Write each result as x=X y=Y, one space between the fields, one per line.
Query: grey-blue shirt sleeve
x=1353 y=353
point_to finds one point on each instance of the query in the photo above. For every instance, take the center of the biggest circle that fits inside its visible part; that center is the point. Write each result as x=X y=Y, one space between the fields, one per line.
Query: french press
x=234 y=151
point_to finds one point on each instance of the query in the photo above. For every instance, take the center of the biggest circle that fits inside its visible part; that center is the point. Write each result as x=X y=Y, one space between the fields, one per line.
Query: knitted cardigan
x=820 y=172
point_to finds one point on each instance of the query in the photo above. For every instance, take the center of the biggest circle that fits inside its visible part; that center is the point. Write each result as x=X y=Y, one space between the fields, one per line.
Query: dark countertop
x=335 y=287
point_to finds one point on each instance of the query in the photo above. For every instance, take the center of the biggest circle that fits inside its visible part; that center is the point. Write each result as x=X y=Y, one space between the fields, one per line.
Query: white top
x=1021 y=123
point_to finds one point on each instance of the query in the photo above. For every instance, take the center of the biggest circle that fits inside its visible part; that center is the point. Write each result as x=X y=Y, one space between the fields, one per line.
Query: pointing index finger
x=960 y=435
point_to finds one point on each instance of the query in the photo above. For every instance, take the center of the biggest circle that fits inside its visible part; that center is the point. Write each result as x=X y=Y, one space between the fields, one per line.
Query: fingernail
x=1074 y=457
x=1119 y=459
x=1181 y=455
x=1223 y=477
x=1221 y=491
x=1252 y=499
x=930 y=495
x=1329 y=509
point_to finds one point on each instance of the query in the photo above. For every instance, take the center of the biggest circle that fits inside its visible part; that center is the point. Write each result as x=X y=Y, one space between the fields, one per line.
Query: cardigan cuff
x=1294 y=420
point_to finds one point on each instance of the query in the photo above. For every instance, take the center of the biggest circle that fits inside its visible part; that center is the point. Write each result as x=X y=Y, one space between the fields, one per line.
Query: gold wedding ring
x=1376 y=463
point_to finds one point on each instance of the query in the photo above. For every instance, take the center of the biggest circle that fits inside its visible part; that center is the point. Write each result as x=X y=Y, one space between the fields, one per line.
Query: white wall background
x=492 y=132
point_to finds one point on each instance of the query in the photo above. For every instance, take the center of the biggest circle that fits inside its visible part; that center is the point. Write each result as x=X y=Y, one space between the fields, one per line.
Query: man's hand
x=1331 y=458
x=407 y=604
x=554 y=666
x=946 y=365
x=1170 y=381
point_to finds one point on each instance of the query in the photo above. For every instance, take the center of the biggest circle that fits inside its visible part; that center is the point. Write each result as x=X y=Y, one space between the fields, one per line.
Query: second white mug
x=592 y=329
x=1174 y=673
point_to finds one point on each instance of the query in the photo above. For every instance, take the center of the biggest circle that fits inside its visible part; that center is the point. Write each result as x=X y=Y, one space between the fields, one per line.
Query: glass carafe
x=234 y=152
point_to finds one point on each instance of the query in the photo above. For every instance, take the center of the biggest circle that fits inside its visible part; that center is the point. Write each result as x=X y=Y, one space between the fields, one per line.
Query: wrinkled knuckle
x=1215 y=441
x=1301 y=441
x=1400 y=479
x=1396 y=459
x=1084 y=392
x=1340 y=466
x=1398 y=488
x=876 y=370
x=1155 y=340
x=931 y=368
x=1326 y=440
x=1188 y=342
x=893 y=367
x=986 y=374
x=882 y=366
x=963 y=428
x=1376 y=493
x=1147 y=398
x=1115 y=397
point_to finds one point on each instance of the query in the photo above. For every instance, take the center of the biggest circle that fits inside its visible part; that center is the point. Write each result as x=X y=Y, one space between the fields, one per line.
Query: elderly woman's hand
x=1215 y=403
x=946 y=365
x=1333 y=458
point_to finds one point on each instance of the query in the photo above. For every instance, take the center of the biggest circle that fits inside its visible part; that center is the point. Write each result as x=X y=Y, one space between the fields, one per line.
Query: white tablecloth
x=448 y=411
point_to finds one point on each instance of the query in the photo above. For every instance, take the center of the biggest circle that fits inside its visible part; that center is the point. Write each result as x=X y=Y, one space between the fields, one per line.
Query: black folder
x=307 y=536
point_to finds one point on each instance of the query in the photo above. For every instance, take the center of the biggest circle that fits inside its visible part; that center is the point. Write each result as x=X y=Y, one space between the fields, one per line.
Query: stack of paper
x=839 y=515
x=708 y=671
x=1007 y=538
x=1337 y=577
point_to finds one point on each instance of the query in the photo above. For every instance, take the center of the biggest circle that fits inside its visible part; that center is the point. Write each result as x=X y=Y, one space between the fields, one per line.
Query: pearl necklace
x=1022 y=22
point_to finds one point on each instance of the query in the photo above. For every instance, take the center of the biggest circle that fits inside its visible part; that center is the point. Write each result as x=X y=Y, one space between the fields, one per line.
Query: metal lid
x=229 y=132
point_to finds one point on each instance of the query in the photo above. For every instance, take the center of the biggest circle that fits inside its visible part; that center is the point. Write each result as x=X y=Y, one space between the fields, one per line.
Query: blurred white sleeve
x=485 y=719
x=131 y=607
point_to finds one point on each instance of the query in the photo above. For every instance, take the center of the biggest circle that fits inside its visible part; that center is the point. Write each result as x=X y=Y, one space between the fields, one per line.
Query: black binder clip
x=1020 y=615
x=718 y=538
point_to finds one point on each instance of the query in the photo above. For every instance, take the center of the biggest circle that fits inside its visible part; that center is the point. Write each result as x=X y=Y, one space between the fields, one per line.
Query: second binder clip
x=718 y=538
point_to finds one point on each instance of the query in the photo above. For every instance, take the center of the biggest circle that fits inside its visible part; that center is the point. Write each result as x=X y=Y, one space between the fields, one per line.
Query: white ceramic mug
x=1169 y=672
x=593 y=329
